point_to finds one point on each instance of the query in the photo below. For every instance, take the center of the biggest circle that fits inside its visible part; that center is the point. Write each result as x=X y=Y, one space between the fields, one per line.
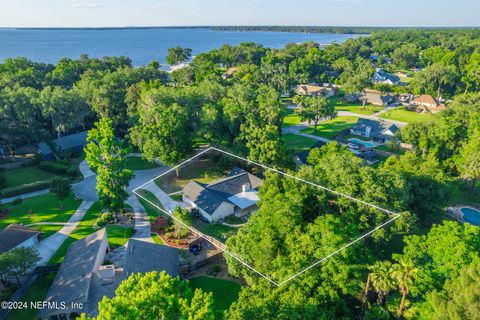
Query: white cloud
x=89 y=5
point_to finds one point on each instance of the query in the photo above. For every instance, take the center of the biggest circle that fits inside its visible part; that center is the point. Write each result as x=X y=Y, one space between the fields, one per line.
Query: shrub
x=106 y=217
x=72 y=172
x=216 y=268
x=100 y=223
x=128 y=232
x=53 y=167
x=168 y=235
x=35 y=186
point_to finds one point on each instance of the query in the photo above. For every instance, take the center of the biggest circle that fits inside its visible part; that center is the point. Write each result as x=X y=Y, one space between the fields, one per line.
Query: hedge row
x=53 y=167
x=15 y=191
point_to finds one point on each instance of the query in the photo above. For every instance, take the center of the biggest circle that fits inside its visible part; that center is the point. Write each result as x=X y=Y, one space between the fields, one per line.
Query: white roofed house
x=383 y=77
x=233 y=195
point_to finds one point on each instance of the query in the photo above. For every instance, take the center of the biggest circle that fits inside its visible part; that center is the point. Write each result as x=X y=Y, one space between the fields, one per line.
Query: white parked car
x=353 y=146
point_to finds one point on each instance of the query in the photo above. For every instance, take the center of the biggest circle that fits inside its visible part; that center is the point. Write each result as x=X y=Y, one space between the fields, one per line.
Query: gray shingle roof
x=65 y=142
x=377 y=127
x=145 y=257
x=13 y=235
x=210 y=197
x=72 y=281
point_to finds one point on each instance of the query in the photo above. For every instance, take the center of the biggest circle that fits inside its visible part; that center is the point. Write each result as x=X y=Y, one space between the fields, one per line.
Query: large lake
x=141 y=45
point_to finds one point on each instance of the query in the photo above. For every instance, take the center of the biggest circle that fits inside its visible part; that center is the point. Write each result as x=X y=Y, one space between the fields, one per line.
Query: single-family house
x=72 y=283
x=425 y=103
x=376 y=98
x=139 y=258
x=17 y=236
x=70 y=143
x=378 y=131
x=404 y=98
x=383 y=77
x=301 y=157
x=326 y=89
x=230 y=73
x=235 y=194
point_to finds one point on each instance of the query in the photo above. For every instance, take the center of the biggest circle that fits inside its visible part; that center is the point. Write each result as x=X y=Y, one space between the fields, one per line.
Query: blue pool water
x=471 y=216
x=364 y=143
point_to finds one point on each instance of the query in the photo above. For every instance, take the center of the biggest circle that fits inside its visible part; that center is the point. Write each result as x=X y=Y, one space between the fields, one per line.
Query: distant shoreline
x=287 y=29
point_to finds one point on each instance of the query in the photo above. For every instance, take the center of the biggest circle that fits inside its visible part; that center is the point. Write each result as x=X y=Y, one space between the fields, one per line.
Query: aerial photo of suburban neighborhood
x=260 y=165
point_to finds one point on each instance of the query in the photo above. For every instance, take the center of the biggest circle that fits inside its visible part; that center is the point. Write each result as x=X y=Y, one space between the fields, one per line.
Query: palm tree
x=404 y=271
x=383 y=279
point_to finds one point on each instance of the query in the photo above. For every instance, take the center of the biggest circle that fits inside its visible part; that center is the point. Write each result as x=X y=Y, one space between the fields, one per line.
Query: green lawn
x=401 y=114
x=138 y=163
x=216 y=230
x=24 y=175
x=291 y=118
x=152 y=211
x=330 y=128
x=37 y=292
x=298 y=143
x=225 y=292
x=156 y=238
x=118 y=235
x=356 y=108
x=389 y=149
x=43 y=208
x=204 y=171
x=84 y=228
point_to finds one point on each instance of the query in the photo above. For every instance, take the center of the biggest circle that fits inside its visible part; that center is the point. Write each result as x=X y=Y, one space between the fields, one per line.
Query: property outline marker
x=223 y=248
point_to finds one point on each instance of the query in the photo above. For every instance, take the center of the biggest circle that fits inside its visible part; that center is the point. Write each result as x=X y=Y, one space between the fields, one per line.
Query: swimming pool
x=363 y=143
x=471 y=216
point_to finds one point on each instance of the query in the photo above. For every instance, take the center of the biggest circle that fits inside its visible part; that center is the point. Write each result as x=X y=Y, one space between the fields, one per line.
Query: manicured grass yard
x=356 y=108
x=152 y=211
x=156 y=238
x=37 y=292
x=225 y=292
x=216 y=230
x=330 y=128
x=401 y=114
x=24 y=175
x=116 y=235
x=138 y=163
x=298 y=143
x=43 y=208
x=203 y=170
x=291 y=118
x=389 y=149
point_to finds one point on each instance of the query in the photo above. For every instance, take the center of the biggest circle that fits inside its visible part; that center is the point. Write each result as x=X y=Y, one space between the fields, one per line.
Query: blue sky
x=90 y=13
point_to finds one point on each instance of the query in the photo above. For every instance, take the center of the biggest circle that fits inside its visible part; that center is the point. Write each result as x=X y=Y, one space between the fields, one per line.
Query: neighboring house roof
x=144 y=257
x=424 y=99
x=210 y=197
x=72 y=282
x=230 y=72
x=377 y=98
x=64 y=143
x=382 y=76
x=13 y=235
x=313 y=89
x=302 y=156
x=377 y=128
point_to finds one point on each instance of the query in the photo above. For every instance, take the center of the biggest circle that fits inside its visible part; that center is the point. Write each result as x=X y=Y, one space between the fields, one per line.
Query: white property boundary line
x=224 y=247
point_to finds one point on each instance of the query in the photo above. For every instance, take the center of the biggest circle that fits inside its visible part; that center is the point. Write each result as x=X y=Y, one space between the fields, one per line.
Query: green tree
x=314 y=109
x=20 y=261
x=435 y=79
x=264 y=144
x=178 y=55
x=404 y=272
x=468 y=159
x=471 y=75
x=460 y=298
x=65 y=108
x=156 y=296
x=60 y=188
x=185 y=217
x=106 y=155
x=382 y=277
